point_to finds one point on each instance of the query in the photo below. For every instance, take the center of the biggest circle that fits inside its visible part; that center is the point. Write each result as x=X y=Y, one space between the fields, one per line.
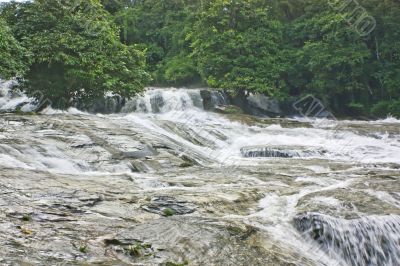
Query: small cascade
x=252 y=152
x=279 y=152
x=156 y=100
x=371 y=240
x=11 y=100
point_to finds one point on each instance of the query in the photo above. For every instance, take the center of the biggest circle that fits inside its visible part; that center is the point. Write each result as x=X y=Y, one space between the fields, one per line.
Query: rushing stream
x=165 y=181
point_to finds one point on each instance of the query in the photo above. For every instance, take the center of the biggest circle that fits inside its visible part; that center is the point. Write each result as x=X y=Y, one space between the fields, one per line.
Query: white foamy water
x=222 y=139
x=183 y=107
x=335 y=144
x=10 y=100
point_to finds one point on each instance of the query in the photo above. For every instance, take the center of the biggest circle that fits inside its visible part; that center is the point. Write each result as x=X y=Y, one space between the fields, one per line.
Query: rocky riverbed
x=174 y=188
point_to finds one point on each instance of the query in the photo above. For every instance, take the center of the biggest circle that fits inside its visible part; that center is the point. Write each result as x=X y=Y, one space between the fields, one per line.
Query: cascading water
x=164 y=100
x=260 y=173
x=370 y=240
x=10 y=100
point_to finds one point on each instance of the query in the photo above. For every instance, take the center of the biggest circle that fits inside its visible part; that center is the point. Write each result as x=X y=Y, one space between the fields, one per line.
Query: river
x=165 y=181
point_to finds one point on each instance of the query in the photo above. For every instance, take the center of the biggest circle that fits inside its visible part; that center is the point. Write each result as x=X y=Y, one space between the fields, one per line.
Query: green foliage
x=356 y=108
x=179 y=71
x=161 y=27
x=237 y=46
x=12 y=54
x=333 y=62
x=114 y=6
x=76 y=53
x=328 y=51
x=383 y=108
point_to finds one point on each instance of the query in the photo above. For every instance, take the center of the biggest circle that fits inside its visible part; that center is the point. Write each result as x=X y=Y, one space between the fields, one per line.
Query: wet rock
x=228 y=109
x=106 y=105
x=145 y=152
x=82 y=145
x=256 y=104
x=138 y=166
x=168 y=206
x=375 y=197
x=157 y=103
x=52 y=182
x=264 y=104
x=199 y=241
x=207 y=100
x=213 y=99
x=130 y=248
x=50 y=217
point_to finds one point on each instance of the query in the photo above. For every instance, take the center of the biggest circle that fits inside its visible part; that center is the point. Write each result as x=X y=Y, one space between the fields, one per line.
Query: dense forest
x=346 y=53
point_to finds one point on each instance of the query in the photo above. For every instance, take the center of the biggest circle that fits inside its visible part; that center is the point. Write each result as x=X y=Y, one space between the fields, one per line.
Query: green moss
x=134 y=250
x=26 y=217
x=177 y=264
x=83 y=248
x=186 y=164
x=138 y=250
x=168 y=212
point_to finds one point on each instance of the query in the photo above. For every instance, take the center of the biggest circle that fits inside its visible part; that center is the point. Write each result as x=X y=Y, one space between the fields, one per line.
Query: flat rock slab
x=194 y=240
x=167 y=206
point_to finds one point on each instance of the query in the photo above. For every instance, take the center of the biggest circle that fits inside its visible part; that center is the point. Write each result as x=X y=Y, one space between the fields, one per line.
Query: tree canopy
x=281 y=48
x=237 y=46
x=75 y=52
x=12 y=54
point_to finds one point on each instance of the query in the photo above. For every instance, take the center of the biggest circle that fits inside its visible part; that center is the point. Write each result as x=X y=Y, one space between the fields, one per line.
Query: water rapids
x=164 y=181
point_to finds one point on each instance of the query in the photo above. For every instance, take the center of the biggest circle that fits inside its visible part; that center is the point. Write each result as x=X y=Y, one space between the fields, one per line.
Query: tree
x=161 y=27
x=12 y=54
x=331 y=59
x=237 y=46
x=76 y=52
x=114 y=6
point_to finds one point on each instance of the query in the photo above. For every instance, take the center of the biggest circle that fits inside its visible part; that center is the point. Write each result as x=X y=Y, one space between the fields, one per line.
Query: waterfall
x=153 y=100
x=11 y=100
x=370 y=240
x=156 y=100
